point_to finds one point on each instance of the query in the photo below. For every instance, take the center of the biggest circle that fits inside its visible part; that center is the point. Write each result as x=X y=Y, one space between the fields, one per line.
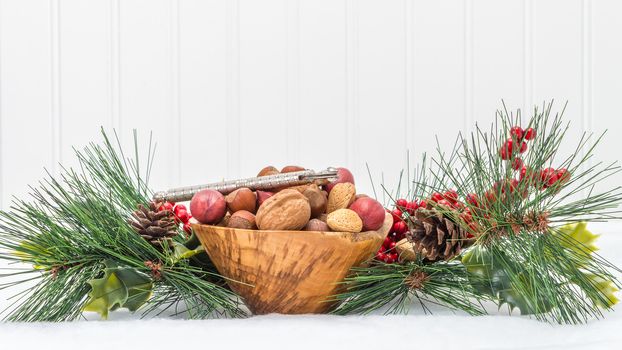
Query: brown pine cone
x=435 y=236
x=156 y=226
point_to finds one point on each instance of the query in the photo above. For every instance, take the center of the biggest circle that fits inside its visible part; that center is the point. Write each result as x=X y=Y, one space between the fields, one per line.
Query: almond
x=344 y=220
x=286 y=210
x=341 y=196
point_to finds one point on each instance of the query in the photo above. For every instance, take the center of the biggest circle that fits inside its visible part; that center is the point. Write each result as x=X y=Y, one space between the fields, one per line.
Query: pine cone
x=436 y=236
x=156 y=226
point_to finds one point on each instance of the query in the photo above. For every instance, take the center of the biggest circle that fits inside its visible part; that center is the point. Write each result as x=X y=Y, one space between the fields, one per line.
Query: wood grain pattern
x=289 y=272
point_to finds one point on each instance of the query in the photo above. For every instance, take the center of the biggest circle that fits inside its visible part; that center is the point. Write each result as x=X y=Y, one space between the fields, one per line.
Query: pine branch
x=78 y=221
x=515 y=219
x=396 y=286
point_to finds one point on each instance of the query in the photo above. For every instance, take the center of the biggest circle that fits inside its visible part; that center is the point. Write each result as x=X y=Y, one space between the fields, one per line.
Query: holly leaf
x=607 y=289
x=182 y=252
x=493 y=280
x=118 y=287
x=577 y=237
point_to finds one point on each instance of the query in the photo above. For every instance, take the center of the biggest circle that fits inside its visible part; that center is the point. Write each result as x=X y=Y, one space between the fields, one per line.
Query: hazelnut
x=292 y=168
x=344 y=220
x=242 y=219
x=286 y=210
x=269 y=170
x=317 y=200
x=224 y=221
x=316 y=225
x=341 y=196
x=242 y=199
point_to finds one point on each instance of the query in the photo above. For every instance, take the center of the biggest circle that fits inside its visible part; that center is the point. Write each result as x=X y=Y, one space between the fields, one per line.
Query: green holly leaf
x=493 y=280
x=182 y=252
x=607 y=289
x=118 y=287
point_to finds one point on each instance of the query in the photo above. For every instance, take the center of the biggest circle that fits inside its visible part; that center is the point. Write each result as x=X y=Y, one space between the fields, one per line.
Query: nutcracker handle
x=254 y=183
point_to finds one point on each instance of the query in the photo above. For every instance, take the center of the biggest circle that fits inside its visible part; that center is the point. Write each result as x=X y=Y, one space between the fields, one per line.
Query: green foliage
x=391 y=286
x=523 y=257
x=76 y=223
x=119 y=287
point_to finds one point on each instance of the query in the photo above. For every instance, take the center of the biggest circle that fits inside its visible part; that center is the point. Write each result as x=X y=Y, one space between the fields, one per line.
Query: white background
x=230 y=86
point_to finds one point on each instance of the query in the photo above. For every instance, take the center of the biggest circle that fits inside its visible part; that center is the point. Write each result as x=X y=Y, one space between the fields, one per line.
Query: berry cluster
x=517 y=143
x=544 y=179
x=182 y=216
x=387 y=252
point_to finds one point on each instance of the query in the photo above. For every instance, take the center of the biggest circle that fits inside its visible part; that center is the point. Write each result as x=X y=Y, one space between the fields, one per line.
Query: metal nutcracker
x=254 y=183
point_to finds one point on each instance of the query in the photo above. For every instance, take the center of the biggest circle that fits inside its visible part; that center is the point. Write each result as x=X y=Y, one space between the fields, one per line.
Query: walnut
x=286 y=210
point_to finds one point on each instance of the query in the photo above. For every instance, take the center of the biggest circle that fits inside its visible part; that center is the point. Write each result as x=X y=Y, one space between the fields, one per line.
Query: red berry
x=451 y=196
x=563 y=175
x=523 y=147
x=467 y=217
x=183 y=216
x=388 y=258
x=491 y=196
x=471 y=198
x=530 y=134
x=188 y=228
x=548 y=177
x=517 y=133
x=517 y=163
x=423 y=204
x=397 y=215
x=411 y=207
x=401 y=203
x=380 y=256
x=179 y=207
x=509 y=146
x=513 y=184
x=503 y=153
x=399 y=228
x=387 y=241
x=391 y=246
x=394 y=256
x=436 y=197
x=444 y=203
x=166 y=206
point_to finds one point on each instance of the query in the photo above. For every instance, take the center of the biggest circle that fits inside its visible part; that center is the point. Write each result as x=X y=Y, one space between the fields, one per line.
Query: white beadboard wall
x=230 y=86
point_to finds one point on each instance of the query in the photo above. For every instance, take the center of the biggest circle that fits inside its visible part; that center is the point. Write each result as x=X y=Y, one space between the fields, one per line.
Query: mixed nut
x=331 y=207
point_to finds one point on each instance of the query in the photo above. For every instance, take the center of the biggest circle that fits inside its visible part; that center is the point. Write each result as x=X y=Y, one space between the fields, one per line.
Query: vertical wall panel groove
x=2 y=146
x=115 y=63
x=233 y=88
x=586 y=78
x=409 y=77
x=176 y=125
x=292 y=73
x=527 y=59
x=55 y=105
x=351 y=82
x=468 y=66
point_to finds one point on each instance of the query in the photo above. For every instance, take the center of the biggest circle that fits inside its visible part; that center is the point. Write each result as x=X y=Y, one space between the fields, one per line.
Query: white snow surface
x=441 y=330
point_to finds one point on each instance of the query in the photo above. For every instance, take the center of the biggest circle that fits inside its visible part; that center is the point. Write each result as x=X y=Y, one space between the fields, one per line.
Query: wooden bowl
x=288 y=272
